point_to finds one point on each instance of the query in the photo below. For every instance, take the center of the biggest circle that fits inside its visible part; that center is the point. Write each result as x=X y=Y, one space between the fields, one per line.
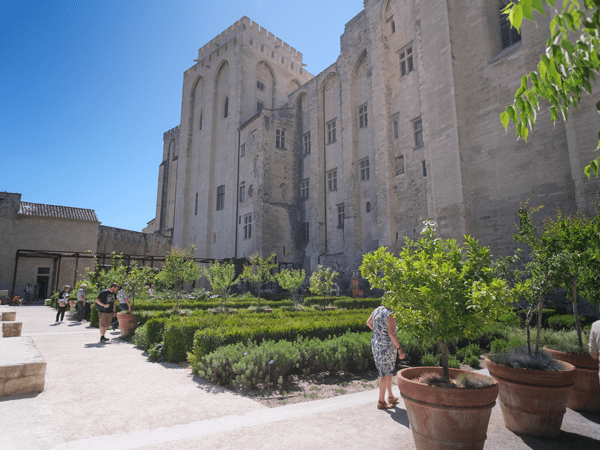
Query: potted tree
x=567 y=240
x=291 y=280
x=134 y=282
x=442 y=291
x=179 y=268
x=221 y=277
x=534 y=387
x=321 y=282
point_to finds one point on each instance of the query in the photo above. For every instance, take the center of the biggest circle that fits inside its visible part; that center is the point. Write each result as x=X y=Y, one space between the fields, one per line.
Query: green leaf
x=587 y=86
x=519 y=92
x=538 y=6
x=504 y=118
x=550 y=2
x=516 y=17
x=598 y=108
x=566 y=44
x=512 y=113
x=543 y=69
x=527 y=9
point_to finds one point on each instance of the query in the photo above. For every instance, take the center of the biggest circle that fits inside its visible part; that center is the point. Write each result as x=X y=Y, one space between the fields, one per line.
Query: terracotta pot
x=585 y=396
x=533 y=402
x=127 y=323
x=446 y=418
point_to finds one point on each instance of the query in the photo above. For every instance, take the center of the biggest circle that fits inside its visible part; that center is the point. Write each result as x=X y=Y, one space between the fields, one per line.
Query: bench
x=22 y=367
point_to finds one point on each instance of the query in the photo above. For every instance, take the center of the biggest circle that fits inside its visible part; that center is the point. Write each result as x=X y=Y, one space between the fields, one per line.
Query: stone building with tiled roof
x=48 y=245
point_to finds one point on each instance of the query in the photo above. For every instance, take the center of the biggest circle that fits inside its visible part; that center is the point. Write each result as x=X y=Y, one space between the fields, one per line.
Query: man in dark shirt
x=105 y=304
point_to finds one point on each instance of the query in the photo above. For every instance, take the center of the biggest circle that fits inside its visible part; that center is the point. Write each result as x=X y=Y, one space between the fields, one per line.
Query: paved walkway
x=107 y=396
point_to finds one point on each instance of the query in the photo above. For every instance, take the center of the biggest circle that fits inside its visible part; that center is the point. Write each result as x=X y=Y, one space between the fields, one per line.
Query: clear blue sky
x=87 y=89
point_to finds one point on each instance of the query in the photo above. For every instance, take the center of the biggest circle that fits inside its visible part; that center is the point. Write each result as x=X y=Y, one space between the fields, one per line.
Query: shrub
x=453 y=363
x=510 y=319
x=430 y=360
x=266 y=362
x=562 y=322
x=139 y=337
x=357 y=303
x=472 y=350
x=472 y=361
x=94 y=317
x=217 y=367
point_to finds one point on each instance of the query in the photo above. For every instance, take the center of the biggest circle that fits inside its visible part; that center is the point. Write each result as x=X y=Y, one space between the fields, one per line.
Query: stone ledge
x=8 y=316
x=11 y=329
x=22 y=367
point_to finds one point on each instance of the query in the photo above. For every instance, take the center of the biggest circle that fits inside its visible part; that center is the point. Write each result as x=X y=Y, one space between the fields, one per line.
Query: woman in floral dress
x=385 y=346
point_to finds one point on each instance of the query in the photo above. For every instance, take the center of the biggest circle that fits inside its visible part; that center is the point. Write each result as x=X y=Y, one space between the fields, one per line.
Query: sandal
x=393 y=400
x=383 y=405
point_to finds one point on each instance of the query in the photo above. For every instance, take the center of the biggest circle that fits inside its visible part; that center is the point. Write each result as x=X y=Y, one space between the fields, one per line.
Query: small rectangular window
x=406 y=61
x=331 y=126
x=259 y=106
x=362 y=116
x=242 y=150
x=260 y=85
x=248 y=226
x=306 y=139
x=242 y=192
x=418 y=130
x=399 y=165
x=364 y=169
x=305 y=231
x=304 y=188
x=368 y=207
x=332 y=180
x=341 y=215
x=220 y=198
x=280 y=138
x=43 y=270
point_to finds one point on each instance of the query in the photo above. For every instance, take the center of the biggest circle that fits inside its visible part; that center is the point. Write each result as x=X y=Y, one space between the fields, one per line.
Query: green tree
x=221 y=277
x=115 y=273
x=136 y=280
x=291 y=280
x=179 y=268
x=258 y=271
x=441 y=291
x=565 y=71
x=321 y=281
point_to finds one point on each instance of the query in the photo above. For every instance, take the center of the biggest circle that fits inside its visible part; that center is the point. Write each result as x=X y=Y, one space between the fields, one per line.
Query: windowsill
x=418 y=147
x=332 y=190
x=331 y=142
x=506 y=51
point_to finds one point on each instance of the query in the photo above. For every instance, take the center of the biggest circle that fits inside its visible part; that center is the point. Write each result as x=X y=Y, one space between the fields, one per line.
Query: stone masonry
x=404 y=125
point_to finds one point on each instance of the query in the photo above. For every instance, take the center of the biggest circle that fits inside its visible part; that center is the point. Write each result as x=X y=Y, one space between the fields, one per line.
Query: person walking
x=105 y=304
x=81 y=300
x=385 y=347
x=124 y=303
x=63 y=301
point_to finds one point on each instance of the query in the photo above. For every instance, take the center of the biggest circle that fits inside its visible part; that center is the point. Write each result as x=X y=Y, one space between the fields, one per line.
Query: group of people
x=63 y=301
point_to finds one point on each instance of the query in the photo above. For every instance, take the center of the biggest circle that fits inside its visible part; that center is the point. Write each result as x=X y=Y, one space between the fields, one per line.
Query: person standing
x=385 y=347
x=105 y=304
x=28 y=292
x=594 y=343
x=63 y=301
x=124 y=303
x=81 y=300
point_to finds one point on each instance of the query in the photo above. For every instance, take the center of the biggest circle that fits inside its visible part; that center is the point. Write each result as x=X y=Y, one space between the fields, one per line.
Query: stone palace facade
x=404 y=125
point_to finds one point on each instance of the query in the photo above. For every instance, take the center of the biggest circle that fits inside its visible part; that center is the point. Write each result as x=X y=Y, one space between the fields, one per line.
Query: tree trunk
x=444 y=351
x=539 y=325
x=576 y=313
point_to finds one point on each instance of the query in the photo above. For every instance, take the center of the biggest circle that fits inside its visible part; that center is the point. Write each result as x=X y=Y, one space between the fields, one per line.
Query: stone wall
x=128 y=242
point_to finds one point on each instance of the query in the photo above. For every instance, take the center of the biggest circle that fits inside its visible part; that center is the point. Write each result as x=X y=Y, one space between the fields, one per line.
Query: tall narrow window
x=304 y=188
x=368 y=207
x=242 y=192
x=306 y=139
x=341 y=215
x=424 y=168
x=226 y=107
x=259 y=106
x=509 y=35
x=220 y=197
x=399 y=165
x=364 y=169
x=200 y=121
x=406 y=61
x=280 y=138
x=196 y=208
x=393 y=27
x=260 y=85
x=418 y=130
x=332 y=180
x=248 y=226
x=242 y=150
x=330 y=126
x=305 y=231
x=395 y=129
x=362 y=116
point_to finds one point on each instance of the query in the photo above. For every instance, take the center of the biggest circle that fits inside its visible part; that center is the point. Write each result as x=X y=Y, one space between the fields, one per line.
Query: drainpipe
x=237 y=193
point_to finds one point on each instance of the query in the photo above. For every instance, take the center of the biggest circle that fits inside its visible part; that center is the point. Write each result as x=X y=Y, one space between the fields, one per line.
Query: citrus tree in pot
x=134 y=282
x=534 y=387
x=442 y=291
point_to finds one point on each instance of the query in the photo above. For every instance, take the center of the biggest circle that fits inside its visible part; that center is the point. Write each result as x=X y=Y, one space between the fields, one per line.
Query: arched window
x=226 y=107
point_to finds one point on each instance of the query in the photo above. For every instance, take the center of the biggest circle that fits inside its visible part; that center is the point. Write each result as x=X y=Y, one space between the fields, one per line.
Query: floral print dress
x=384 y=350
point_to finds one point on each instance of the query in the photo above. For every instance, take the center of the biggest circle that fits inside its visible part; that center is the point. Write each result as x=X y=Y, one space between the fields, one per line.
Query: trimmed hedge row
x=243 y=303
x=343 y=302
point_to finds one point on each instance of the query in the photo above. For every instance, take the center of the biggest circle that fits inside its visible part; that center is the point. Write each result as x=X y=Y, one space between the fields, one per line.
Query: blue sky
x=87 y=89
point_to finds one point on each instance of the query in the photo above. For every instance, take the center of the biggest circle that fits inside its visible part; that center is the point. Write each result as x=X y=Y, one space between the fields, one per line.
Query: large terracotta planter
x=585 y=396
x=533 y=402
x=127 y=323
x=446 y=418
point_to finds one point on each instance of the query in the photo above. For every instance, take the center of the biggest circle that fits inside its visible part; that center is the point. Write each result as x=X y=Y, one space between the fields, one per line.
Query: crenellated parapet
x=173 y=133
x=255 y=31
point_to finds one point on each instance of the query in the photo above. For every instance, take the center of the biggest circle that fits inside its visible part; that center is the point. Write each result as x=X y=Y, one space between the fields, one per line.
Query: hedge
x=358 y=303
